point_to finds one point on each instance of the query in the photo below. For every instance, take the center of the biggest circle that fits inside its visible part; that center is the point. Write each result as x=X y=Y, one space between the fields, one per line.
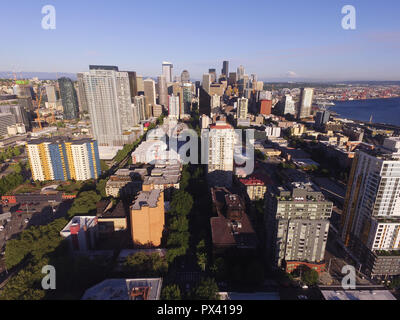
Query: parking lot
x=29 y=214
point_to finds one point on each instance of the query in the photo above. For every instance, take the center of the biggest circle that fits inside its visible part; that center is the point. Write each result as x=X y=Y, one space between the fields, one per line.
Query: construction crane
x=39 y=102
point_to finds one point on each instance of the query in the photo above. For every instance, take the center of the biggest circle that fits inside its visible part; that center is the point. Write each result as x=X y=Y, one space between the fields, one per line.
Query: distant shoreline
x=355 y=100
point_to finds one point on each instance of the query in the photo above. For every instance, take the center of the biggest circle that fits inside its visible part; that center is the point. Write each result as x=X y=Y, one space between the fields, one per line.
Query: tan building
x=148 y=218
x=255 y=187
x=111 y=219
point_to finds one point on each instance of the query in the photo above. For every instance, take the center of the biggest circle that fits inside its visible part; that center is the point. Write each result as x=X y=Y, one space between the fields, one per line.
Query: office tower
x=206 y=82
x=305 y=103
x=69 y=98
x=297 y=224
x=205 y=121
x=162 y=91
x=260 y=85
x=140 y=84
x=242 y=108
x=82 y=95
x=265 y=107
x=187 y=96
x=56 y=159
x=213 y=75
x=157 y=110
x=140 y=103
x=185 y=76
x=150 y=91
x=225 y=68
x=204 y=102
x=371 y=214
x=289 y=106
x=321 y=118
x=253 y=78
x=24 y=89
x=6 y=120
x=232 y=78
x=221 y=141
x=167 y=71
x=110 y=106
x=133 y=84
x=240 y=73
x=136 y=114
x=147 y=218
x=173 y=107
x=51 y=93
x=20 y=114
x=264 y=95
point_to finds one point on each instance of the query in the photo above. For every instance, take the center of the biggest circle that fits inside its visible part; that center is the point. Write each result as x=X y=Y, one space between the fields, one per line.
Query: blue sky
x=274 y=39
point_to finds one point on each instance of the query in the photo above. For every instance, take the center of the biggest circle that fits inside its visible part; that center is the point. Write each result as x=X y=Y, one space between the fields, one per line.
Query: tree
x=145 y=265
x=171 y=292
x=206 y=290
x=201 y=255
x=181 y=203
x=309 y=276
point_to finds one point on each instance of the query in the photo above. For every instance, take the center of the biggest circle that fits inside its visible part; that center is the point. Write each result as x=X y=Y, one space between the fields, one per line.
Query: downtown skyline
x=279 y=42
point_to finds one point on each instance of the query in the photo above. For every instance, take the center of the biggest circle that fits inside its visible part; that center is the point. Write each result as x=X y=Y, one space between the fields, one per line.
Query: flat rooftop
x=357 y=295
x=121 y=289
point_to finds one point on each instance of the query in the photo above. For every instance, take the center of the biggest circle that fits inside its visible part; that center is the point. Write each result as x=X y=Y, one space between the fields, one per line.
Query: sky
x=277 y=40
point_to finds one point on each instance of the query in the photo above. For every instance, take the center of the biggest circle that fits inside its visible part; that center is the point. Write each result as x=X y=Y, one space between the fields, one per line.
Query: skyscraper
x=187 y=99
x=305 y=103
x=150 y=91
x=167 y=71
x=232 y=78
x=225 y=68
x=242 y=108
x=289 y=106
x=221 y=141
x=321 y=118
x=185 y=76
x=162 y=91
x=56 y=159
x=69 y=98
x=213 y=75
x=51 y=93
x=82 y=100
x=371 y=215
x=240 y=72
x=133 y=85
x=140 y=103
x=206 y=82
x=173 y=107
x=110 y=105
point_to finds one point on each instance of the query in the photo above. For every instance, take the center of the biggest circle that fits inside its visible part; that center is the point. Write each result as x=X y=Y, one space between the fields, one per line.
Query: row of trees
x=11 y=181
x=9 y=153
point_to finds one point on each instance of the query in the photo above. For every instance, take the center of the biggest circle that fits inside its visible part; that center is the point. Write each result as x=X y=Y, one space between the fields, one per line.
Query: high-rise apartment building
x=242 y=108
x=371 y=215
x=140 y=104
x=265 y=107
x=221 y=141
x=297 y=224
x=148 y=218
x=69 y=98
x=213 y=75
x=82 y=96
x=289 y=106
x=56 y=159
x=167 y=71
x=110 y=105
x=305 y=103
x=133 y=83
x=232 y=78
x=187 y=96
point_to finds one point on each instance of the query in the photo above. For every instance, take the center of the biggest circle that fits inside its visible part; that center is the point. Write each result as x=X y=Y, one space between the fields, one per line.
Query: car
x=1 y=228
x=26 y=220
x=19 y=211
x=304 y=286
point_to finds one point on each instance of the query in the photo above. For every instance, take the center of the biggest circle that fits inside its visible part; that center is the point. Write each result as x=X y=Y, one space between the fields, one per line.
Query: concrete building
x=242 y=108
x=57 y=159
x=185 y=76
x=206 y=82
x=110 y=105
x=272 y=131
x=371 y=215
x=6 y=119
x=148 y=218
x=162 y=91
x=297 y=223
x=150 y=91
x=81 y=233
x=173 y=107
x=221 y=141
x=255 y=187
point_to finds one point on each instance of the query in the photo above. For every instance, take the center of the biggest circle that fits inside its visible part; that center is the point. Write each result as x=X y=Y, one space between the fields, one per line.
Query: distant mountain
x=40 y=75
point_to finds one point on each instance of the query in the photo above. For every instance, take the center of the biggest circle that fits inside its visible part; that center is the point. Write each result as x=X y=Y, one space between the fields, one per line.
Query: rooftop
x=357 y=295
x=146 y=198
x=125 y=289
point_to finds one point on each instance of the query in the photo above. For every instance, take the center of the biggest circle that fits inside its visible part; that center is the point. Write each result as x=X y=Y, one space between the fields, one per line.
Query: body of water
x=382 y=110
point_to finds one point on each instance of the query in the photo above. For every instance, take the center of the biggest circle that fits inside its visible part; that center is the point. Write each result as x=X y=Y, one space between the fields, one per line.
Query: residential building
x=206 y=82
x=242 y=108
x=305 y=103
x=147 y=218
x=297 y=223
x=57 y=159
x=81 y=233
x=371 y=215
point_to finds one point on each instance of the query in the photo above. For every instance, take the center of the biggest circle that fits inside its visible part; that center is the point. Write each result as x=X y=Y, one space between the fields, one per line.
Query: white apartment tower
x=242 y=108
x=167 y=71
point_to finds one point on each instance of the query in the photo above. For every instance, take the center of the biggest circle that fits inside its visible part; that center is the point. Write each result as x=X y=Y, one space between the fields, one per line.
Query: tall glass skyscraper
x=69 y=98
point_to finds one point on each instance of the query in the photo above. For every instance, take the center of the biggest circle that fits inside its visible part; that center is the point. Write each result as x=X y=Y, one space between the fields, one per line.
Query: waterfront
x=382 y=110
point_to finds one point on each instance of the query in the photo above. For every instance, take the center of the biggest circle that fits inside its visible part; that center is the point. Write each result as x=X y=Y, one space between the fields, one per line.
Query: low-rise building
x=81 y=233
